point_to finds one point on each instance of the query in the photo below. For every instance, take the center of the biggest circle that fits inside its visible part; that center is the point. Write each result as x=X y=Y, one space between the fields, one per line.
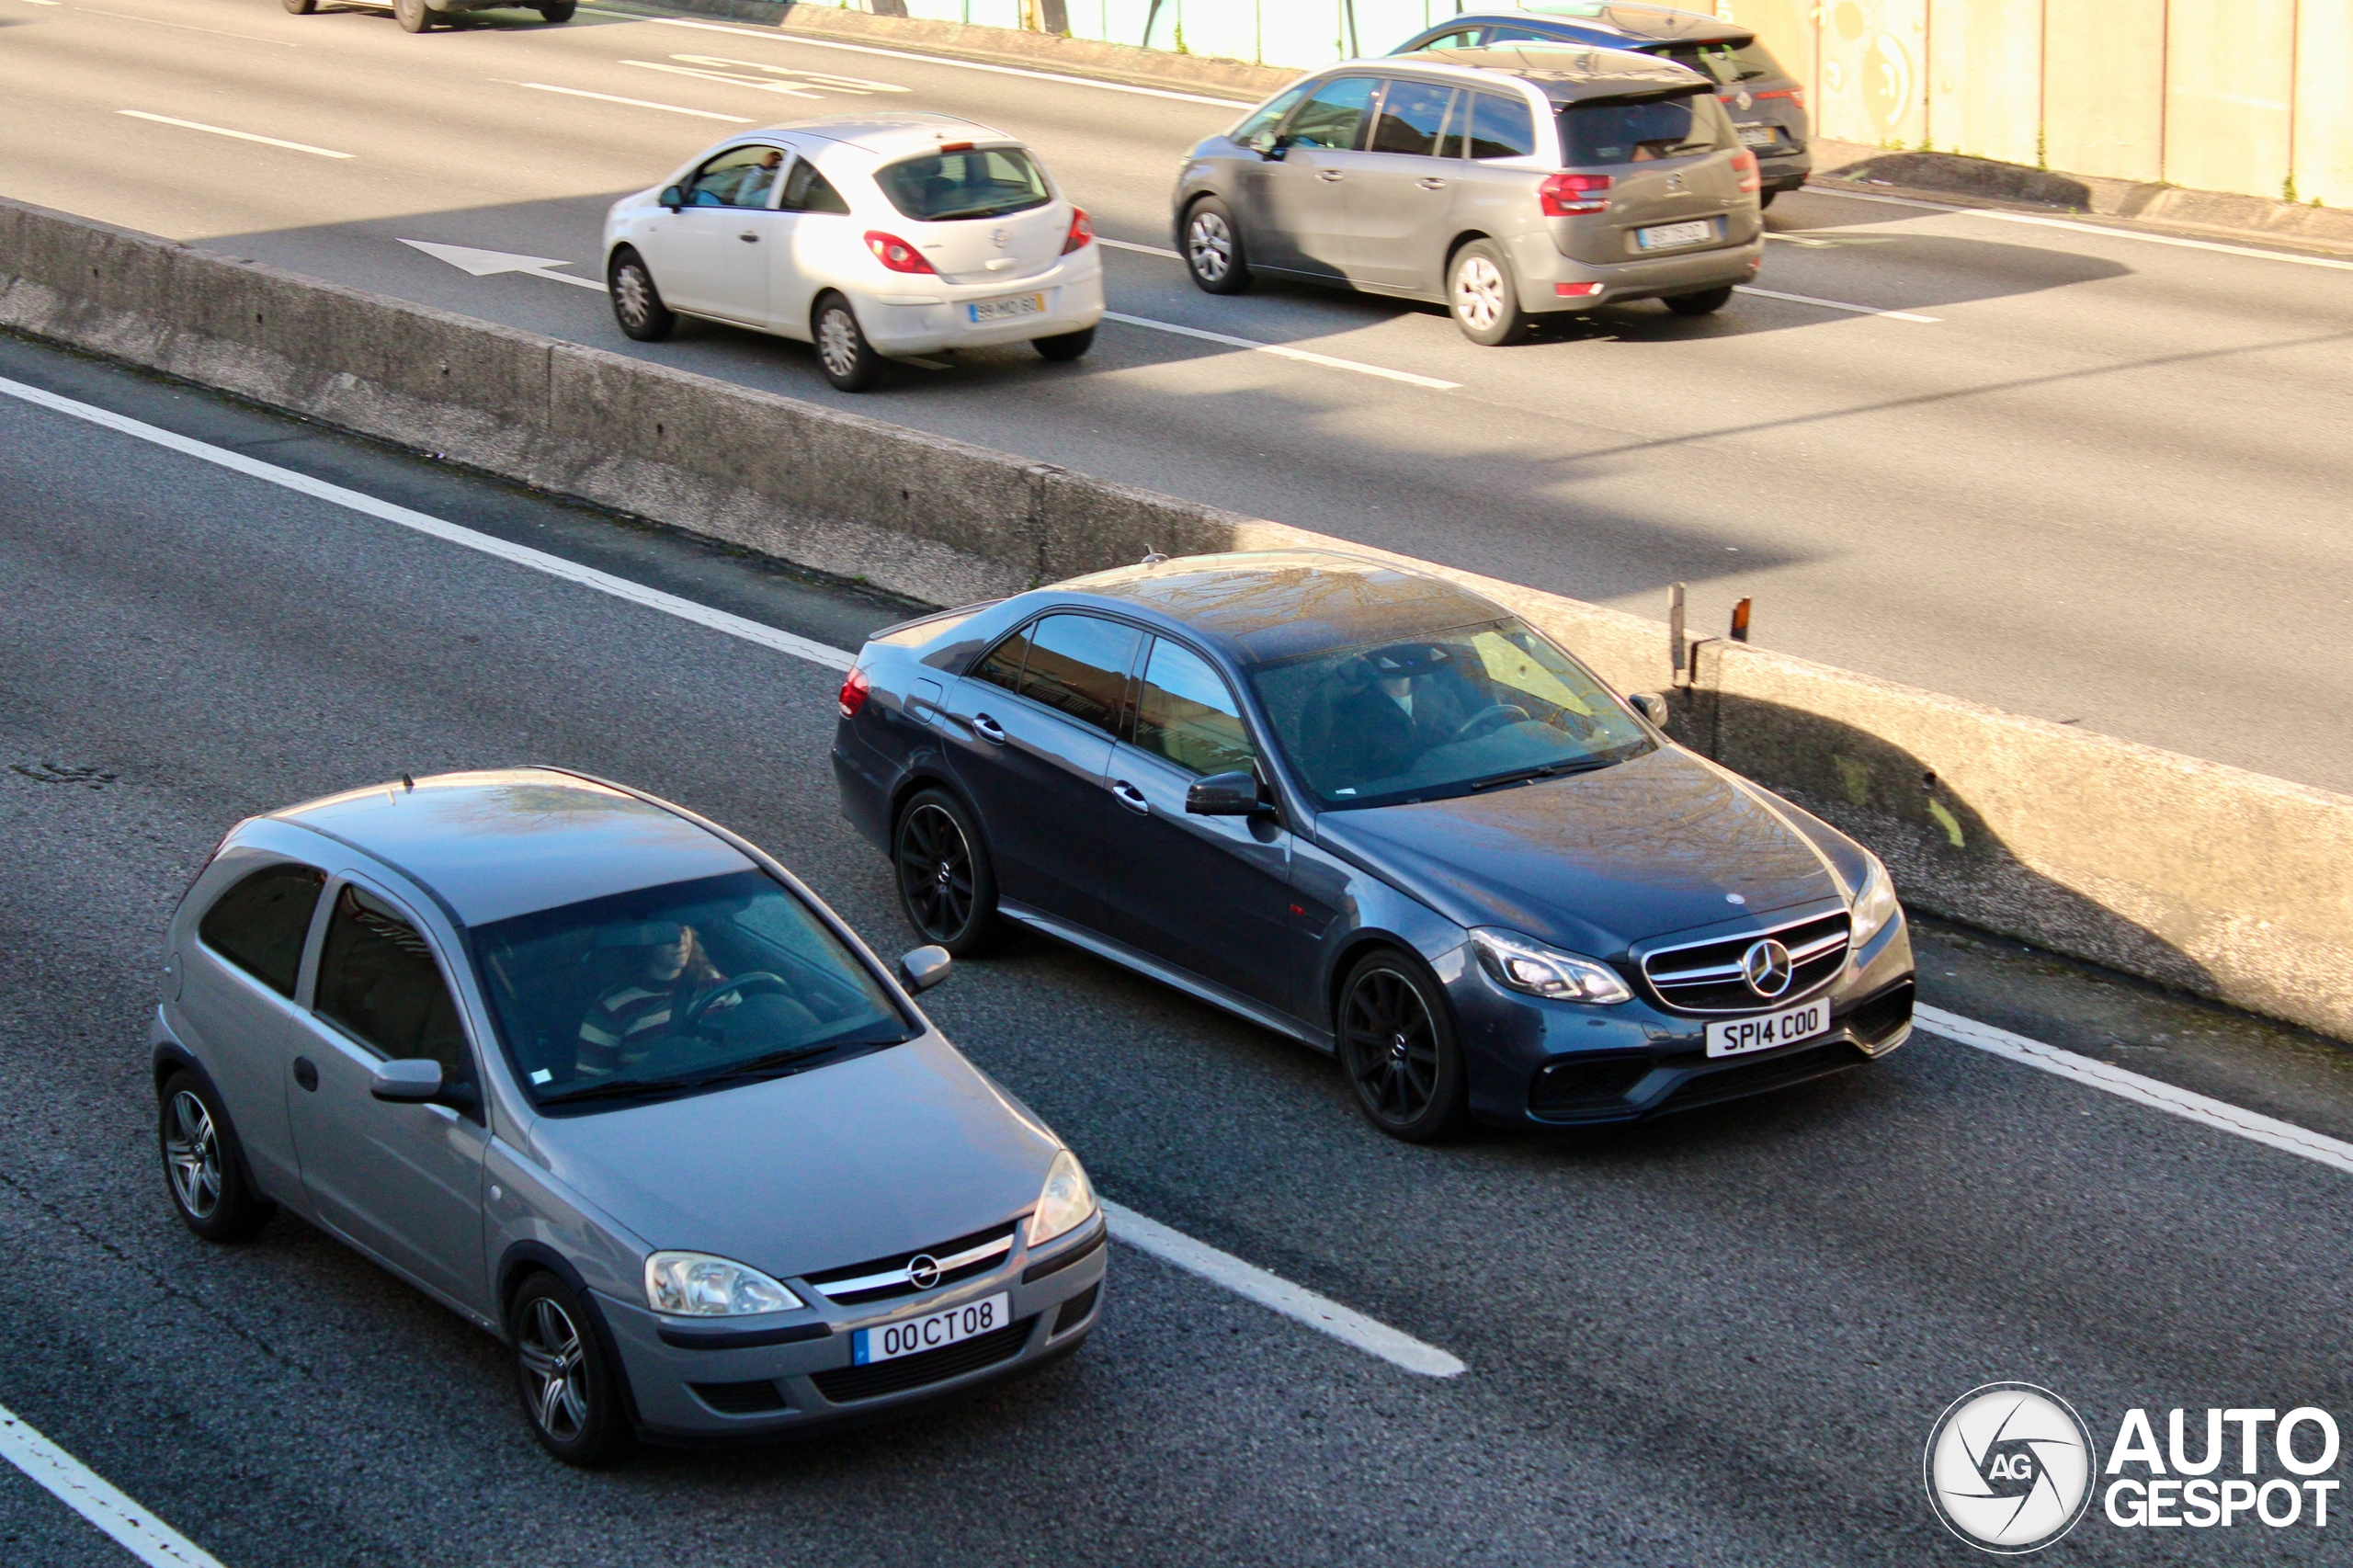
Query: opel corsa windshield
x=984 y=183
x=1474 y=707
x=684 y=986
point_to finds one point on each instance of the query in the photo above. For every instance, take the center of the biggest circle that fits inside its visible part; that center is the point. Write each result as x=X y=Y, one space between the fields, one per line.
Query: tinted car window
x=1460 y=37
x=806 y=190
x=690 y=984
x=1621 y=132
x=377 y=978
x=1003 y=666
x=740 y=177
x=1080 y=663
x=1264 y=119
x=259 y=925
x=1186 y=713
x=1500 y=128
x=1446 y=714
x=986 y=183
x=1724 y=62
x=1522 y=35
x=1413 y=116
x=1335 y=116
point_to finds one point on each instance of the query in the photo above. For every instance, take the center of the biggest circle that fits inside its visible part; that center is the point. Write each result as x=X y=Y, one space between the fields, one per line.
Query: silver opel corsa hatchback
x=611 y=1083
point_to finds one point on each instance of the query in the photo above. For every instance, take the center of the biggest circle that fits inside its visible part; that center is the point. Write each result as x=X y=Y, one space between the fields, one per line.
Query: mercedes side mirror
x=1651 y=706
x=1223 y=795
x=409 y=1080
x=672 y=197
x=925 y=967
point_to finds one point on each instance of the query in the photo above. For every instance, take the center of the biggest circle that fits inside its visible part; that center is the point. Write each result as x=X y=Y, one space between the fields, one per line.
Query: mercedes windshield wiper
x=1545 y=770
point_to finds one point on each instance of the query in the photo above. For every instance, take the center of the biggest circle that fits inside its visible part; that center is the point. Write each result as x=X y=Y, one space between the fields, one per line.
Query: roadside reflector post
x=1675 y=650
x=1740 y=622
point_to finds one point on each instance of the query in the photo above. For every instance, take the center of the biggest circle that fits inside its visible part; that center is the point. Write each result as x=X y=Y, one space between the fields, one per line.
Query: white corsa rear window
x=986 y=183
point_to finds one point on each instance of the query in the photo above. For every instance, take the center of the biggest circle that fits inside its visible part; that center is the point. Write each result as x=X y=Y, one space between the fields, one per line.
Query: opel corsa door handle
x=1431 y=184
x=986 y=728
x=1329 y=174
x=748 y=237
x=305 y=1073
x=1131 y=797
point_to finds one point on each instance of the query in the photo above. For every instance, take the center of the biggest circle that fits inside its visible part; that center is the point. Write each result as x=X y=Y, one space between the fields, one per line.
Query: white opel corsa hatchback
x=868 y=235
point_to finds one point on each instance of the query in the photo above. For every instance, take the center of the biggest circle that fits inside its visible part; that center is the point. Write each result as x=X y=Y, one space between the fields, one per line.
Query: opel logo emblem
x=998 y=237
x=923 y=1271
x=1765 y=967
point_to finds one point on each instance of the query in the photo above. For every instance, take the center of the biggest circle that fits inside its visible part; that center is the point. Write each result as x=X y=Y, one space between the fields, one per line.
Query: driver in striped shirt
x=631 y=1017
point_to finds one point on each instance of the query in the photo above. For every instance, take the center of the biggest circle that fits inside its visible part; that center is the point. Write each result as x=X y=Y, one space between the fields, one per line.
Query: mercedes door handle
x=1431 y=184
x=748 y=237
x=1329 y=174
x=305 y=1073
x=1131 y=797
x=986 y=728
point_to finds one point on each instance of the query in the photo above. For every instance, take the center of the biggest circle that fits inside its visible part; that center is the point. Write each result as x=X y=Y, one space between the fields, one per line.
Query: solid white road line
x=1302 y=355
x=1832 y=304
x=2001 y=215
x=1140 y=250
x=2218 y=1114
x=633 y=103
x=521 y=555
x=1279 y=1294
x=490 y=263
x=74 y=1483
x=240 y=135
x=774 y=36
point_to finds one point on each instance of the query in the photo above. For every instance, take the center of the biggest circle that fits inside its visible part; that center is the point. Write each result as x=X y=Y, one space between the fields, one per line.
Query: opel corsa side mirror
x=1223 y=795
x=1651 y=706
x=672 y=198
x=410 y=1081
x=925 y=967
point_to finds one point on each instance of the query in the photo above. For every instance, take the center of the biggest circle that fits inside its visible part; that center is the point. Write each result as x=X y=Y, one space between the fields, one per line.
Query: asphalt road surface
x=2104 y=484
x=1718 y=1339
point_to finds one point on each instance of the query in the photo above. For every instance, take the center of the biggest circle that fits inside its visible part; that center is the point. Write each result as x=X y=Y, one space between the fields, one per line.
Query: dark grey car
x=1506 y=183
x=609 y=1082
x=1767 y=103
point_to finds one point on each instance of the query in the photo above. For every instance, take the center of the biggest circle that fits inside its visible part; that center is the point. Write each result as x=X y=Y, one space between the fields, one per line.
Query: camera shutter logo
x=2008 y=1467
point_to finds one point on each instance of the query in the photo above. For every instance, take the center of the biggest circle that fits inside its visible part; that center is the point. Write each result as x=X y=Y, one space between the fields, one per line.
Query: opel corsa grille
x=909 y=1274
x=1715 y=977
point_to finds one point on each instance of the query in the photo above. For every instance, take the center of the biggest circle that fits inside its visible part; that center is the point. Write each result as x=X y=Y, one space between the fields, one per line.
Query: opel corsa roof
x=1279 y=603
x=511 y=841
x=894 y=134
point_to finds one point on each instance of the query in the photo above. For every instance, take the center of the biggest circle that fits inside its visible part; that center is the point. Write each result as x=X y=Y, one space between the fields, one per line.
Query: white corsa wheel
x=837 y=342
x=1208 y=243
x=1479 y=294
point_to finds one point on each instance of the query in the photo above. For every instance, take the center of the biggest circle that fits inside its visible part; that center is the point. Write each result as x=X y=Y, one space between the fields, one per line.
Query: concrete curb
x=2211 y=212
x=2196 y=875
x=1130 y=64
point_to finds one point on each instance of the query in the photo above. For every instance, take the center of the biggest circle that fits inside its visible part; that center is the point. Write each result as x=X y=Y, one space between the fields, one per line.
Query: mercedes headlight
x=1525 y=964
x=1875 y=906
x=1067 y=1202
x=696 y=1285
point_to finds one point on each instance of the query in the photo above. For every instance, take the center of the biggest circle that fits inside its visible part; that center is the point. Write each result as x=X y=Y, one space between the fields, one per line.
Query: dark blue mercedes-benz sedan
x=1372 y=810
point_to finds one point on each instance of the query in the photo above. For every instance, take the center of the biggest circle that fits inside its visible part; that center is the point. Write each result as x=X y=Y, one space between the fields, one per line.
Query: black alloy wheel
x=1398 y=1049
x=1064 y=346
x=1213 y=248
x=945 y=883
x=567 y=1385
x=637 y=303
x=847 y=360
x=560 y=12
x=203 y=1168
x=1705 y=302
x=413 y=16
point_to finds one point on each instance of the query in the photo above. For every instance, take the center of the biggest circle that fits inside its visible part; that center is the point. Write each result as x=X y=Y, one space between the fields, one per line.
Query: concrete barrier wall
x=2219 y=882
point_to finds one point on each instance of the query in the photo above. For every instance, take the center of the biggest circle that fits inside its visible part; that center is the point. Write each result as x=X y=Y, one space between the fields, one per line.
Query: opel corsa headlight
x=696 y=1285
x=1875 y=906
x=1065 y=1204
x=1524 y=964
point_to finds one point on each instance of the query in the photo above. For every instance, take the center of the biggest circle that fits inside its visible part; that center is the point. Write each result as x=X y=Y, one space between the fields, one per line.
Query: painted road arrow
x=487 y=263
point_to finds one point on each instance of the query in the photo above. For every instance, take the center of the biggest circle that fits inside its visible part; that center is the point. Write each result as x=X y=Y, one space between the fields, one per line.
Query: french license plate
x=1004 y=310
x=931 y=1331
x=1669 y=234
x=1743 y=1036
x=1757 y=136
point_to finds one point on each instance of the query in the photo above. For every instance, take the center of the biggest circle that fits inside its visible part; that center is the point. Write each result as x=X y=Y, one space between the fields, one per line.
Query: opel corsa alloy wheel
x=192 y=1152
x=554 y=1362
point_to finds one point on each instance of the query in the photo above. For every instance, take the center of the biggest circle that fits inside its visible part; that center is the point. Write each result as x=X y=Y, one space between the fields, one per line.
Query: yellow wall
x=2229 y=74
x=2103 y=99
x=1985 y=77
x=2323 y=104
x=1873 y=84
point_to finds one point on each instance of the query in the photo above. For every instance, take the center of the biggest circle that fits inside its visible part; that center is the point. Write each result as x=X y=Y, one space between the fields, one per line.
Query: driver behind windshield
x=1393 y=705
x=630 y=1019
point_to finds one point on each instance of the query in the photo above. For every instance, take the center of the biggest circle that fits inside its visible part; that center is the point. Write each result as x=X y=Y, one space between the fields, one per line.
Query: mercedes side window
x=1257 y=131
x=1186 y=712
x=1413 y=117
x=806 y=190
x=260 y=924
x=1522 y=35
x=741 y=177
x=1334 y=117
x=1500 y=128
x=1003 y=665
x=1079 y=665
x=377 y=979
x=1460 y=37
